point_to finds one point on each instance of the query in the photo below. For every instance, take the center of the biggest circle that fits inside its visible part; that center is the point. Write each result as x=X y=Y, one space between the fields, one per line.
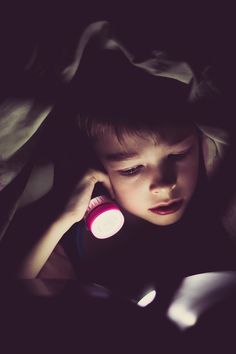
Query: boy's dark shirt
x=148 y=255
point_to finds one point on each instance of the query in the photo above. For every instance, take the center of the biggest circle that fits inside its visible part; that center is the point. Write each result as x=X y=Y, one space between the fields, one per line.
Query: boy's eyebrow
x=182 y=141
x=120 y=156
x=125 y=155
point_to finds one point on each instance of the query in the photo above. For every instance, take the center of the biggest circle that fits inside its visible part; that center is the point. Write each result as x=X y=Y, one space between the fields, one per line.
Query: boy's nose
x=162 y=188
x=164 y=180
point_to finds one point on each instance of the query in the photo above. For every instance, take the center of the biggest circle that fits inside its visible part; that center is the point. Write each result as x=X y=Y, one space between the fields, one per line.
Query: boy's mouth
x=167 y=208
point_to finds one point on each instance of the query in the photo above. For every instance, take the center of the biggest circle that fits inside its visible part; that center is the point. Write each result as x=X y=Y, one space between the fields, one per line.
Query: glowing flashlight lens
x=103 y=217
x=107 y=223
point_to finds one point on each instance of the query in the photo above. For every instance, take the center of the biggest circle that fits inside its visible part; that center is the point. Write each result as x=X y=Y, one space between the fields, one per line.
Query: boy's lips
x=167 y=208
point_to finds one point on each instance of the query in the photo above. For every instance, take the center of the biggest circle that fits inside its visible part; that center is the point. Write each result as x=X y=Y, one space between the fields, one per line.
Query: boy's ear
x=104 y=187
x=107 y=184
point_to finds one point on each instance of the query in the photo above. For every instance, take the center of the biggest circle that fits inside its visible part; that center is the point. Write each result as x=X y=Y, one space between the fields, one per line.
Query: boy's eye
x=131 y=171
x=180 y=156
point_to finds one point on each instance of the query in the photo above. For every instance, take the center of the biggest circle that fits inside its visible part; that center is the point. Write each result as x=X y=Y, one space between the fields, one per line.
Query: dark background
x=203 y=35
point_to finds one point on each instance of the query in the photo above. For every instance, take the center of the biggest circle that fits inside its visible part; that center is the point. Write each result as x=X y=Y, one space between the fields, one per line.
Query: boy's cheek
x=122 y=194
x=118 y=192
x=116 y=188
x=190 y=182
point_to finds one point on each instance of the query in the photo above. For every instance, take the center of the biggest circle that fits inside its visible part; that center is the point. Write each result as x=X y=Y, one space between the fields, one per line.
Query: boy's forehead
x=112 y=143
x=130 y=141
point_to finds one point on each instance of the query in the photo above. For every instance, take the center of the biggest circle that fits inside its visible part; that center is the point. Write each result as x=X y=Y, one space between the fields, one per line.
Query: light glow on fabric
x=181 y=315
x=147 y=299
x=197 y=294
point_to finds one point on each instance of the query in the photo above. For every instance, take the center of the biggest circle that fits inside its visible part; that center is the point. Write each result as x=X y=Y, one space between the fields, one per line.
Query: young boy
x=151 y=163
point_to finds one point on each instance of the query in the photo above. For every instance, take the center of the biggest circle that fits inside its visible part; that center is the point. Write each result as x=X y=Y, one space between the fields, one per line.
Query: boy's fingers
x=98 y=176
x=79 y=201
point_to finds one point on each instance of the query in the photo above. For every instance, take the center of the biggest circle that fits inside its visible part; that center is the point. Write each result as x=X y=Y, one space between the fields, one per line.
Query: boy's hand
x=79 y=201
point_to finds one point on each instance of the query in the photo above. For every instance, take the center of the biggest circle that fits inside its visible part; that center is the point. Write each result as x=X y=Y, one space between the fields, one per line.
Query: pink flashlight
x=103 y=217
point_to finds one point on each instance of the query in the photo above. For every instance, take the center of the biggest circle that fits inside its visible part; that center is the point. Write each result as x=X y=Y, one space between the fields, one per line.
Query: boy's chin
x=155 y=219
x=165 y=220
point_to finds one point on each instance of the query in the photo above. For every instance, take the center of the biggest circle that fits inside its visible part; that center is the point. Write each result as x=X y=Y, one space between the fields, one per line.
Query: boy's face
x=153 y=179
